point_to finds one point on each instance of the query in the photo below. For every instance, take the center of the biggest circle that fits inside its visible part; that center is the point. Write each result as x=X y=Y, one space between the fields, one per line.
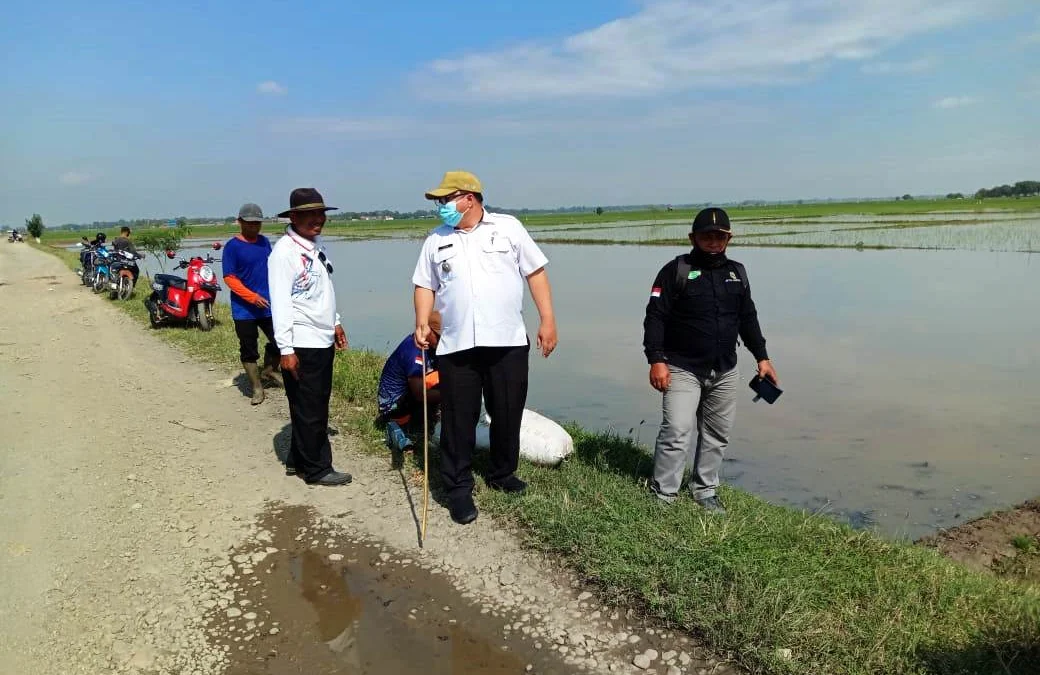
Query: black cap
x=711 y=218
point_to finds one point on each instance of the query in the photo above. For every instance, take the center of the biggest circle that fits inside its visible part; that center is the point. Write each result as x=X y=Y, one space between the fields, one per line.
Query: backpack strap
x=682 y=273
x=683 y=269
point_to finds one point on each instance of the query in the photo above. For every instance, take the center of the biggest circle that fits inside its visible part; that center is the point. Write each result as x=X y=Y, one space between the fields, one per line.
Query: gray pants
x=698 y=417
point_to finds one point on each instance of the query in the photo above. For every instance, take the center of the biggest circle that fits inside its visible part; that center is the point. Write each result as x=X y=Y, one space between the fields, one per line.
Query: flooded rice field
x=959 y=231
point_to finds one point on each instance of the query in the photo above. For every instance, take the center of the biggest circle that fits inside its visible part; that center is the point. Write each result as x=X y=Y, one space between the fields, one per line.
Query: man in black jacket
x=699 y=304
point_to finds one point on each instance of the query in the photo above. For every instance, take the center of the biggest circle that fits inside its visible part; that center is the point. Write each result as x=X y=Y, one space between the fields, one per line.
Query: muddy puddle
x=301 y=601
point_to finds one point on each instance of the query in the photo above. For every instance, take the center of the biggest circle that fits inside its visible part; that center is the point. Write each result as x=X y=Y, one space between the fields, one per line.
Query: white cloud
x=955 y=102
x=920 y=65
x=76 y=177
x=719 y=113
x=674 y=45
x=272 y=87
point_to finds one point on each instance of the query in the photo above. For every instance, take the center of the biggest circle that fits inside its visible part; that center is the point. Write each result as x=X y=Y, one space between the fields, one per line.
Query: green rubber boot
x=253 y=371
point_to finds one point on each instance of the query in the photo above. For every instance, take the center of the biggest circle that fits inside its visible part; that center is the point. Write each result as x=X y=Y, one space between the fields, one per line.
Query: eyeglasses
x=324 y=261
x=450 y=198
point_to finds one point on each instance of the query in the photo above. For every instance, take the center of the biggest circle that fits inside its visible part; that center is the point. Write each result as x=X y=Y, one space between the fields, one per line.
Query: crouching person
x=401 y=385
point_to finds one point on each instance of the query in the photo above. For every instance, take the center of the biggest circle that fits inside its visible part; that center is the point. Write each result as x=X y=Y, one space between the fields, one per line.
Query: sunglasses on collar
x=325 y=261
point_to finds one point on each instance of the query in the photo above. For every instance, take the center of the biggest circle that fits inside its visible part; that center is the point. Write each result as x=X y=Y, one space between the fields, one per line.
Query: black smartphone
x=765 y=389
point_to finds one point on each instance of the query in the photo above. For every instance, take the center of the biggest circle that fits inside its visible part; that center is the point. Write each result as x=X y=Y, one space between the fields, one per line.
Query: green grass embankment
x=783 y=591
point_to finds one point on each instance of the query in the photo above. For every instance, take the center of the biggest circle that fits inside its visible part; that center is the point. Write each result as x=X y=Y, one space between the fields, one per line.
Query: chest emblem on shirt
x=304 y=281
x=693 y=274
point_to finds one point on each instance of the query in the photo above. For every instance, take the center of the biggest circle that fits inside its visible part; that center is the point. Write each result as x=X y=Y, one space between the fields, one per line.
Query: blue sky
x=162 y=109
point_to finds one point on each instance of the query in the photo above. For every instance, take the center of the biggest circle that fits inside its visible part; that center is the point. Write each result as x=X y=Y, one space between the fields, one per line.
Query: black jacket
x=124 y=244
x=697 y=329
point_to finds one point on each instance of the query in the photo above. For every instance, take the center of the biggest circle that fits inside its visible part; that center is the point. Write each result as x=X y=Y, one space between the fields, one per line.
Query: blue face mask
x=449 y=214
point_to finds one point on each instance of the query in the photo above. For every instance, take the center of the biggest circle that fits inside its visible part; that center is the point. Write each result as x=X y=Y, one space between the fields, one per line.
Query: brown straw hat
x=305 y=199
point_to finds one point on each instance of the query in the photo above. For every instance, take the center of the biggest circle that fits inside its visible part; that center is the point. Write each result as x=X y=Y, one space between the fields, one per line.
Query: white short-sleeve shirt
x=478 y=281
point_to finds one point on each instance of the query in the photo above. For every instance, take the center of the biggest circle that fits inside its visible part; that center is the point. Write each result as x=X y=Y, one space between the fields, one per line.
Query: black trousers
x=308 y=396
x=500 y=373
x=248 y=332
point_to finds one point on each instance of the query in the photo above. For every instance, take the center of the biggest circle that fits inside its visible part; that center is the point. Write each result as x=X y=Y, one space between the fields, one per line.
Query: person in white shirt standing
x=308 y=333
x=472 y=270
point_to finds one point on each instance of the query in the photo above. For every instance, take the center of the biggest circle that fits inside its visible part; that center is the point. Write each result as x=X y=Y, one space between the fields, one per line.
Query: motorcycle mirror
x=217 y=246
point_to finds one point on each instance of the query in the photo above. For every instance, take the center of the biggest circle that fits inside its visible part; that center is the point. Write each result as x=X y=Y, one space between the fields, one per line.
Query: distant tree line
x=1023 y=188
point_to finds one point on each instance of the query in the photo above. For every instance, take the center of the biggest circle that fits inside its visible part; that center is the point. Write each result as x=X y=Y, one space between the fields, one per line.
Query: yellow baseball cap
x=455 y=181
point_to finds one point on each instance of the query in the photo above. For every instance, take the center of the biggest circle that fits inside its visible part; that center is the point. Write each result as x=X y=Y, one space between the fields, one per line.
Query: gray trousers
x=695 y=429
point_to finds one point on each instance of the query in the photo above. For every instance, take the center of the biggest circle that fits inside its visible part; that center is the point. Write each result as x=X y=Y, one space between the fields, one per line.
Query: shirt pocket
x=734 y=287
x=498 y=257
x=444 y=262
x=696 y=287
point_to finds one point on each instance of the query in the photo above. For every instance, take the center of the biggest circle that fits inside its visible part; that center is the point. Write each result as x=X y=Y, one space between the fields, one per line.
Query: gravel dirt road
x=131 y=477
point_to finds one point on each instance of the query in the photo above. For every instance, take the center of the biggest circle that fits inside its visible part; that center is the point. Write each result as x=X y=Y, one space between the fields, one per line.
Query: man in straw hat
x=699 y=304
x=472 y=270
x=308 y=332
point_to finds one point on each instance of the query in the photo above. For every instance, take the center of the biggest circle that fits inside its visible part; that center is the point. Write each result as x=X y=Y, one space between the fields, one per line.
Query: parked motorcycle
x=101 y=261
x=190 y=300
x=122 y=270
x=86 y=261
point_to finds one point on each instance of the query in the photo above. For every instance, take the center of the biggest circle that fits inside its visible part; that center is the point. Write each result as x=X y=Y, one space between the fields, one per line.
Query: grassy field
x=755 y=584
x=372 y=228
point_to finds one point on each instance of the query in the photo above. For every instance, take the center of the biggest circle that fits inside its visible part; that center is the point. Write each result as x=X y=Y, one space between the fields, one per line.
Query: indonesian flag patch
x=655 y=292
x=418 y=360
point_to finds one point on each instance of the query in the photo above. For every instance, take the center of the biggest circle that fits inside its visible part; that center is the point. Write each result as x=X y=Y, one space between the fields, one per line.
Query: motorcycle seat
x=171 y=280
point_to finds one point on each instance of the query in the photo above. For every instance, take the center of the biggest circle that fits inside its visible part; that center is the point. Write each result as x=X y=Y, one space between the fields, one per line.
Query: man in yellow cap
x=472 y=271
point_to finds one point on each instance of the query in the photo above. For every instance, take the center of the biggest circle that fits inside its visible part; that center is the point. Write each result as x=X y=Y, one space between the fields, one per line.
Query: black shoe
x=510 y=484
x=332 y=478
x=463 y=510
x=290 y=470
x=712 y=505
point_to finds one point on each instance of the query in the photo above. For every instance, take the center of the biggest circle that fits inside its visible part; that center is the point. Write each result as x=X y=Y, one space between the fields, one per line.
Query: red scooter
x=175 y=299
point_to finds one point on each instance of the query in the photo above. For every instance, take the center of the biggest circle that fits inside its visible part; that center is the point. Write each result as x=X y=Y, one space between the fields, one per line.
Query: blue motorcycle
x=102 y=268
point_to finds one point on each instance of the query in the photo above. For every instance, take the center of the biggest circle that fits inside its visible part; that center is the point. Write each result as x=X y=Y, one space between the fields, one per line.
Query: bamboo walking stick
x=426 y=453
